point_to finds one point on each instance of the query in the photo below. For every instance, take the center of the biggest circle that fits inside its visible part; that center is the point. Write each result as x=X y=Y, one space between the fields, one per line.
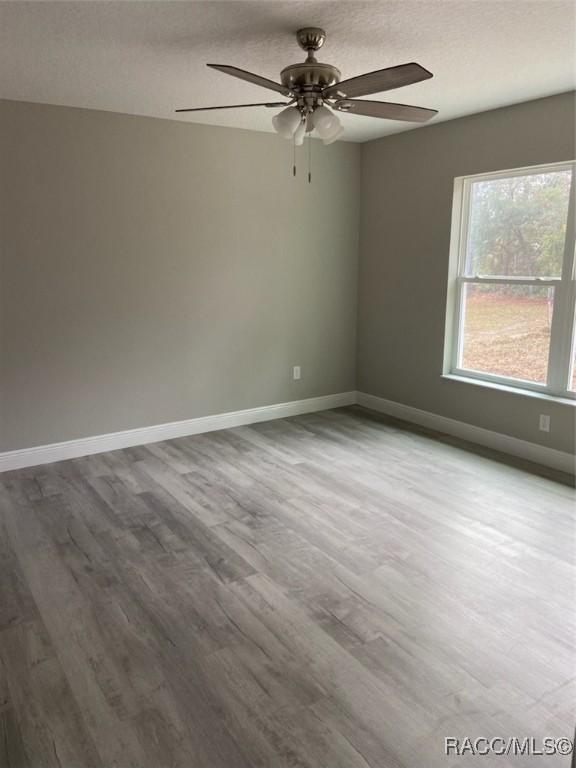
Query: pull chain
x=294 y=160
x=309 y=158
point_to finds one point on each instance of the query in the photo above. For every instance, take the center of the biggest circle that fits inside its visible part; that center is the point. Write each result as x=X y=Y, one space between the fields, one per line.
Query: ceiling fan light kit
x=316 y=93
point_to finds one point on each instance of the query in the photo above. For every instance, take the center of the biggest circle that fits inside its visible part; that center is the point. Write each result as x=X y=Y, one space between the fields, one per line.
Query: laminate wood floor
x=330 y=590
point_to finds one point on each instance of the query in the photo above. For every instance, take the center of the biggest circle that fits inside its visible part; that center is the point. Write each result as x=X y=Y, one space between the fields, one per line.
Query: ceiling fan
x=315 y=92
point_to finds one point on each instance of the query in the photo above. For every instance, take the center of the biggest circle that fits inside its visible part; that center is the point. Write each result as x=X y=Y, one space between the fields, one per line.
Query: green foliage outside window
x=518 y=226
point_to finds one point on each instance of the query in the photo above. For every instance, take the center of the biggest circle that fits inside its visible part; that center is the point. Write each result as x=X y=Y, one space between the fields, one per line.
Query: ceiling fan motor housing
x=309 y=76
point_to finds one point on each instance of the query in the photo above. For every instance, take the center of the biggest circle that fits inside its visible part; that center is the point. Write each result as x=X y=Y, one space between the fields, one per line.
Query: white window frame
x=560 y=360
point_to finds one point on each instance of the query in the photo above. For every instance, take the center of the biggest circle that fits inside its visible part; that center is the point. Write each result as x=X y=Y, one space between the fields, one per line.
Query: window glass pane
x=506 y=330
x=517 y=225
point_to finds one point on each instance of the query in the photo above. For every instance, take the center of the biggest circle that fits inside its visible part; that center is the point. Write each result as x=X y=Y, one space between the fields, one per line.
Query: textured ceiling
x=148 y=58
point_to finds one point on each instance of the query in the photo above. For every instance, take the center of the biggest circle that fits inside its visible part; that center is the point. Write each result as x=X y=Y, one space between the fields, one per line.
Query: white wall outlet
x=544 y=423
x=296 y=373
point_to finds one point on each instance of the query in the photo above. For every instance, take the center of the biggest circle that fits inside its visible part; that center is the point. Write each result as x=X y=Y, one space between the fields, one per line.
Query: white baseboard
x=540 y=454
x=73 y=449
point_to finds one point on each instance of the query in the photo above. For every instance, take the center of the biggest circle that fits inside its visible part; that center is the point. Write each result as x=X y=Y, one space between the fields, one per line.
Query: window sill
x=512 y=390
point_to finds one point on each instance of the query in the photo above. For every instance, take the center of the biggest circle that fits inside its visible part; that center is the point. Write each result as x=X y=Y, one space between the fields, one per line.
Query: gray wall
x=407 y=186
x=125 y=301
x=154 y=271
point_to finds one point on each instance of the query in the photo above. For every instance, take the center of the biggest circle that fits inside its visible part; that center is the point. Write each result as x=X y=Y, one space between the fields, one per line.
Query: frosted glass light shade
x=286 y=122
x=299 y=134
x=325 y=122
x=322 y=117
x=334 y=135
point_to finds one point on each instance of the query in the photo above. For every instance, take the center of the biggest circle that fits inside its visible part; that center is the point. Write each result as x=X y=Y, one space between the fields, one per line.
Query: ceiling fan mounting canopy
x=311 y=38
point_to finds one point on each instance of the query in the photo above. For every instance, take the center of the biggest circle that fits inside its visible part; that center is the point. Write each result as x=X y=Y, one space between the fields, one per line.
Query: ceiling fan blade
x=237 y=106
x=378 y=81
x=386 y=110
x=251 y=78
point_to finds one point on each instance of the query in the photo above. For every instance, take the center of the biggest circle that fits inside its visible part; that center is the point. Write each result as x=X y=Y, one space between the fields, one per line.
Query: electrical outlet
x=296 y=373
x=544 y=423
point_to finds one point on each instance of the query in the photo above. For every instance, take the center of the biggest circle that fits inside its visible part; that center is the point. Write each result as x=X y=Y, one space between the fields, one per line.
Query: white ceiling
x=148 y=58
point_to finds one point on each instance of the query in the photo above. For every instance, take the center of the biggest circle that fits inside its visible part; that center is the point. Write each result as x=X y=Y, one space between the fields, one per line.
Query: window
x=511 y=297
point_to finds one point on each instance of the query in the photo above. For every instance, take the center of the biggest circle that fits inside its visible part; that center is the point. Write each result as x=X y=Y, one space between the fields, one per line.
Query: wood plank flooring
x=334 y=590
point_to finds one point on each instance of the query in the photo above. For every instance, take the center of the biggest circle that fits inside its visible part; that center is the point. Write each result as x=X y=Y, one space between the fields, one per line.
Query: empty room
x=287 y=384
